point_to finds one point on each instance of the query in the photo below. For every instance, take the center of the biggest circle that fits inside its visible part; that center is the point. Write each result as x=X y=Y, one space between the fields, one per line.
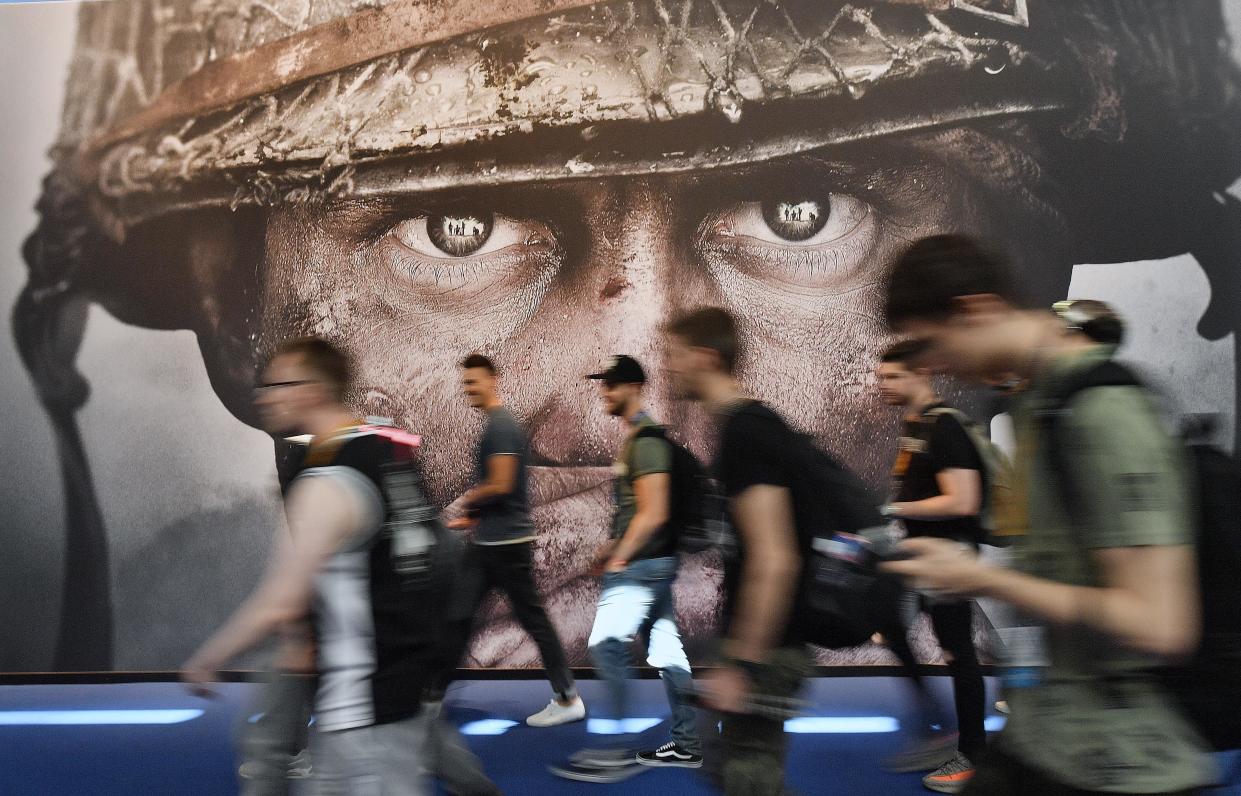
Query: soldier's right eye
x=460 y=234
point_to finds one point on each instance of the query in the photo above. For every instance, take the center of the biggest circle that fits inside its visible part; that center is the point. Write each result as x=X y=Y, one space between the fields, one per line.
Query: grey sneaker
x=299 y=765
x=602 y=758
x=951 y=777
x=601 y=774
x=924 y=755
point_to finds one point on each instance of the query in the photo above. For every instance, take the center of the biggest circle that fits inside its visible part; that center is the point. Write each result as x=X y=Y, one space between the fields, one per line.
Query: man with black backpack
x=763 y=649
x=1107 y=561
x=940 y=480
x=362 y=573
x=638 y=564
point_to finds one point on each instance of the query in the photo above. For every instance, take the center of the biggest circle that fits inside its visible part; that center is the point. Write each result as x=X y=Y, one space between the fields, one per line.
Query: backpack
x=1208 y=685
x=424 y=554
x=697 y=516
x=843 y=598
x=997 y=481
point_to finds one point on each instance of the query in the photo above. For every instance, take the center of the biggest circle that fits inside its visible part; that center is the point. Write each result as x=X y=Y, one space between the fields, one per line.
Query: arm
x=764 y=518
x=960 y=495
x=651 y=492
x=1148 y=601
x=500 y=483
x=322 y=515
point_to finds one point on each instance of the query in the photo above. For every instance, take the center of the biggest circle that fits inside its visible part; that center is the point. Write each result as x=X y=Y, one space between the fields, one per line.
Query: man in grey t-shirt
x=501 y=556
x=503 y=518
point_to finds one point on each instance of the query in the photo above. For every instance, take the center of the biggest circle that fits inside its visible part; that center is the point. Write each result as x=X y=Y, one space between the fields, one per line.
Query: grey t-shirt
x=505 y=518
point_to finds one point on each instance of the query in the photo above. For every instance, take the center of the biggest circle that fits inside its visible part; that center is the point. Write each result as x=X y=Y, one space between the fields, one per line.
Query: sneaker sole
x=556 y=723
x=598 y=775
x=670 y=763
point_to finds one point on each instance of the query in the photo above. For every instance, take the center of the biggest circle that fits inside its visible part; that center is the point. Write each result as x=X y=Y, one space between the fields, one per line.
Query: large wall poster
x=545 y=181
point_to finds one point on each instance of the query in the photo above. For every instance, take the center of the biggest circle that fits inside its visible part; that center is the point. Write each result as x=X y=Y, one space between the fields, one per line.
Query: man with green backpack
x=1108 y=563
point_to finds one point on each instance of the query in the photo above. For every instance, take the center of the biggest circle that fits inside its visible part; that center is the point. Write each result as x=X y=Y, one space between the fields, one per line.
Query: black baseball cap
x=620 y=369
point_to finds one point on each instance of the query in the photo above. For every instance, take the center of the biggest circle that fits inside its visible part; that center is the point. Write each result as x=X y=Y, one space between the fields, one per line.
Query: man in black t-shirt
x=939 y=481
x=762 y=652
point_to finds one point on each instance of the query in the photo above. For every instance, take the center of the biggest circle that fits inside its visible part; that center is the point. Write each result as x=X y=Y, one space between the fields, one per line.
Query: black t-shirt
x=755 y=444
x=931 y=444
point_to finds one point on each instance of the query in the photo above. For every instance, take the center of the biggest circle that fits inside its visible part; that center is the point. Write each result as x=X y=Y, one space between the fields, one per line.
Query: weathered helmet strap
x=49 y=321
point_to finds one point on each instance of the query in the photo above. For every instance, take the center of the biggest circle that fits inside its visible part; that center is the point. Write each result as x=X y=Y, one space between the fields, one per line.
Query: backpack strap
x=1051 y=420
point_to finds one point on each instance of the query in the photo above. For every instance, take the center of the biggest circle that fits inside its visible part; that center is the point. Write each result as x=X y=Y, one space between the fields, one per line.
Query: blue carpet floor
x=97 y=746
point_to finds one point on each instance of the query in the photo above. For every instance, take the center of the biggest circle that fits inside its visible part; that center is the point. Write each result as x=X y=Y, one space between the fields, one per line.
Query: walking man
x=939 y=477
x=638 y=565
x=501 y=555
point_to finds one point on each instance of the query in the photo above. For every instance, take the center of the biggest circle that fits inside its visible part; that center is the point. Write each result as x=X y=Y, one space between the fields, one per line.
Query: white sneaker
x=555 y=713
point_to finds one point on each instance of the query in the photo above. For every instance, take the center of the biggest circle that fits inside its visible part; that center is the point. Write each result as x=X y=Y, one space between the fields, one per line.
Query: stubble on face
x=589 y=269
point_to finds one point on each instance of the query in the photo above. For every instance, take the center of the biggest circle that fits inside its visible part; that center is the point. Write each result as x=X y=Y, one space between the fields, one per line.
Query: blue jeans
x=639 y=599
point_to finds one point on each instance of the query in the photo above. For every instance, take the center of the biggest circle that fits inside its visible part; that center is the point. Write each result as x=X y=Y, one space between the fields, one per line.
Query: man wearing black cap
x=638 y=564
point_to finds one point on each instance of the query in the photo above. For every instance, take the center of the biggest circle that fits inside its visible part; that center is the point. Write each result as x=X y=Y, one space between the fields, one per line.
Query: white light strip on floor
x=614 y=727
x=842 y=724
x=30 y=718
x=487 y=727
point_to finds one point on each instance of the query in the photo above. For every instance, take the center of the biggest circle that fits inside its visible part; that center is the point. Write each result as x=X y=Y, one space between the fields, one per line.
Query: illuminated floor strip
x=614 y=727
x=842 y=724
x=32 y=718
x=487 y=727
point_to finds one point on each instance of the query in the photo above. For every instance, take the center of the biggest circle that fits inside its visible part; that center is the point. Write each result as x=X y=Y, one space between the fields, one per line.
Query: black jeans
x=953 y=623
x=1002 y=774
x=509 y=568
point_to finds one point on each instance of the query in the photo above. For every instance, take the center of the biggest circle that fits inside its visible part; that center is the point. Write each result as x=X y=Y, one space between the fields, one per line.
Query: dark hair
x=709 y=327
x=329 y=362
x=933 y=272
x=477 y=360
x=905 y=352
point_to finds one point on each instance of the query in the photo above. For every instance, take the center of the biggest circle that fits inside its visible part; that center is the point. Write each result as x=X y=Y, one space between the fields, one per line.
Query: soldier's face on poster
x=549 y=189
x=550 y=279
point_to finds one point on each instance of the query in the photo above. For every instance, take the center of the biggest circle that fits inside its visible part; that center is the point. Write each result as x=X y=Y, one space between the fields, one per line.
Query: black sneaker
x=670 y=755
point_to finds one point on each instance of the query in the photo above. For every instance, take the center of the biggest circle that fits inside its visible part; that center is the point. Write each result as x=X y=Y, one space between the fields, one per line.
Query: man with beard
x=639 y=563
x=373 y=633
x=251 y=171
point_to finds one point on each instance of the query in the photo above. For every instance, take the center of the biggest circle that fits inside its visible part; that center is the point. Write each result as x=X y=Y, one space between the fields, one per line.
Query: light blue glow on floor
x=487 y=727
x=842 y=724
x=614 y=727
x=25 y=718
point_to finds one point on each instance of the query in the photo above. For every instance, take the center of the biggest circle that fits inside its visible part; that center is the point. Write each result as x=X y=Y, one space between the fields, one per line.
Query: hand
x=726 y=689
x=461 y=523
x=940 y=566
x=198 y=677
x=615 y=565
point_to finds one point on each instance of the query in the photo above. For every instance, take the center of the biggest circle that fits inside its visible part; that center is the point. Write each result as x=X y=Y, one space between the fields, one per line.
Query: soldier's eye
x=808 y=241
x=796 y=220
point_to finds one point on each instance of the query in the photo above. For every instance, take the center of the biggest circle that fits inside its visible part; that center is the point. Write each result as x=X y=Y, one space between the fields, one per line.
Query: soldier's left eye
x=798 y=241
x=798 y=220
